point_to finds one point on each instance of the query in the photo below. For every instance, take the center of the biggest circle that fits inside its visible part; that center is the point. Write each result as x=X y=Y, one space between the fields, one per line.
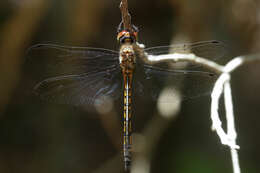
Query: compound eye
x=120 y=34
x=124 y=36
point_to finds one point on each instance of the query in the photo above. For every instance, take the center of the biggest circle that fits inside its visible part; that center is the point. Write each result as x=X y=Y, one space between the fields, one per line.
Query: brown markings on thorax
x=127 y=58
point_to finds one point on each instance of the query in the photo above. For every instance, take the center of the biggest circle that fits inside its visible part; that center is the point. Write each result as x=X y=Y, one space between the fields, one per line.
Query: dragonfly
x=84 y=76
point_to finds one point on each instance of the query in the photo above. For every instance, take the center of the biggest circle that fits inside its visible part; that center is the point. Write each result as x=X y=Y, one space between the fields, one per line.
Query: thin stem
x=178 y=57
x=231 y=132
x=235 y=161
x=126 y=17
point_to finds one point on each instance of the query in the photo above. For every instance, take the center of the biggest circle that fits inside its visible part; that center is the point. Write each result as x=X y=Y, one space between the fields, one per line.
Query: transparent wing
x=207 y=49
x=191 y=84
x=64 y=60
x=85 y=89
x=179 y=75
x=75 y=75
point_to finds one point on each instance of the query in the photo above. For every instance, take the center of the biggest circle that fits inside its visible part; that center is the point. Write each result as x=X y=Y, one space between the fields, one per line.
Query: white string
x=222 y=85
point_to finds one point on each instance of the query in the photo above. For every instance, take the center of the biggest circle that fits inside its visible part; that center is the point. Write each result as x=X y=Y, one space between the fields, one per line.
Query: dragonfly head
x=126 y=35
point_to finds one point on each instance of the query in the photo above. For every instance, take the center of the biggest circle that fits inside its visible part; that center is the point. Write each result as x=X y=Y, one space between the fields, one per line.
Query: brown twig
x=126 y=17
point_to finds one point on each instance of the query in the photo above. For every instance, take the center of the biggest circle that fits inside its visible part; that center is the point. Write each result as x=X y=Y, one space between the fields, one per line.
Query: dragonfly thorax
x=127 y=58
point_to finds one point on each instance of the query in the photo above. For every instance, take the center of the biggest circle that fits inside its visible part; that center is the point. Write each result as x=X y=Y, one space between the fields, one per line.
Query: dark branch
x=126 y=17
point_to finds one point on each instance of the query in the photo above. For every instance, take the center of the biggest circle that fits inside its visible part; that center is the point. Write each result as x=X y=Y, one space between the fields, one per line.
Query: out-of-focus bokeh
x=42 y=137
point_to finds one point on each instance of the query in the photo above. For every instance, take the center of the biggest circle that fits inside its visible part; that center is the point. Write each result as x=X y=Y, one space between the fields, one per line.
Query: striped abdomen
x=127 y=119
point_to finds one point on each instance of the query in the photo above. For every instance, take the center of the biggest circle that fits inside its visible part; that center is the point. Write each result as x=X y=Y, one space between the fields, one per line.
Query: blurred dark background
x=36 y=136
